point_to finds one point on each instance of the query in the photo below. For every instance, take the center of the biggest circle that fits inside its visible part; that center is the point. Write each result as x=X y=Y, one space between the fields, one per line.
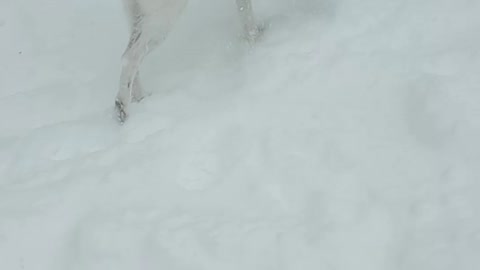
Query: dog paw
x=138 y=94
x=121 y=112
x=255 y=33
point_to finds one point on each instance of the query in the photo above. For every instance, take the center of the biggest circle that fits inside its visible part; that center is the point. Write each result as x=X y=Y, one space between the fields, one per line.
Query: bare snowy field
x=348 y=138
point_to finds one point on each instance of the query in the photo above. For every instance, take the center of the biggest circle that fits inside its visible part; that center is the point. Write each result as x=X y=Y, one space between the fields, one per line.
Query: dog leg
x=136 y=51
x=150 y=27
x=250 y=27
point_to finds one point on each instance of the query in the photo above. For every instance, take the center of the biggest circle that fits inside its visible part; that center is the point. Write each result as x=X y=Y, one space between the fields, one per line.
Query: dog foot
x=121 y=111
x=140 y=95
x=256 y=33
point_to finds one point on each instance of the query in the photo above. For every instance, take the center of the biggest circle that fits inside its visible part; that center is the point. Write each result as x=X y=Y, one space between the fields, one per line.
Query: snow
x=347 y=138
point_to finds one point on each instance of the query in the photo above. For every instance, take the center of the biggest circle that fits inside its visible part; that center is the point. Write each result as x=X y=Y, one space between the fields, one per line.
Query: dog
x=150 y=23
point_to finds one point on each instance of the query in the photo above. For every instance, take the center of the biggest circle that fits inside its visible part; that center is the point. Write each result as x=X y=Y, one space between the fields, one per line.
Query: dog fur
x=150 y=22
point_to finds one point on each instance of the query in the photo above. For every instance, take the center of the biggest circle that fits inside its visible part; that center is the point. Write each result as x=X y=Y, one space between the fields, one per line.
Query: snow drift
x=346 y=139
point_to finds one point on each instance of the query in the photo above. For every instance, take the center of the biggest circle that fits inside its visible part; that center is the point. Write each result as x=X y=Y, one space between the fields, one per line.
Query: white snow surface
x=346 y=138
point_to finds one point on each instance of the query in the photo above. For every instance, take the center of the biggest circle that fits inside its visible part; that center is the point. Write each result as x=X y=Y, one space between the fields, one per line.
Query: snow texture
x=347 y=138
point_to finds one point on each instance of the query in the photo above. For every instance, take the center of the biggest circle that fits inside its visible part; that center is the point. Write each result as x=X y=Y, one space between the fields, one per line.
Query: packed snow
x=346 y=138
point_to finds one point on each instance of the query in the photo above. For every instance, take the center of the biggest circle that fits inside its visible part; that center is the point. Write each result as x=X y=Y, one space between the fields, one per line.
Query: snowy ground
x=348 y=138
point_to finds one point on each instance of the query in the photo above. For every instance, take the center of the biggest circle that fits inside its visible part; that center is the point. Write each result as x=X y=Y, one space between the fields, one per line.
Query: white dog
x=151 y=21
